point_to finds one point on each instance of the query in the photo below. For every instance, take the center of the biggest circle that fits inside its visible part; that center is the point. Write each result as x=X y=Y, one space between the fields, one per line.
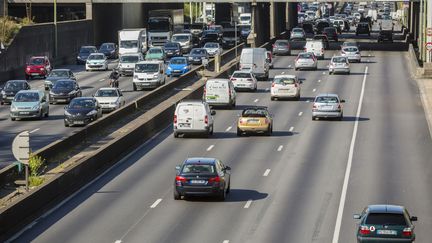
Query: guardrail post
x=217 y=62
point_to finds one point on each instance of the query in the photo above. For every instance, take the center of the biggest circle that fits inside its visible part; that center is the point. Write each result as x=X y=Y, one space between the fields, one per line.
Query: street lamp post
x=55 y=29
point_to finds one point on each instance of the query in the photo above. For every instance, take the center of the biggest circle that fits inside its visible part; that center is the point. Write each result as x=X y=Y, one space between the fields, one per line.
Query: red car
x=38 y=66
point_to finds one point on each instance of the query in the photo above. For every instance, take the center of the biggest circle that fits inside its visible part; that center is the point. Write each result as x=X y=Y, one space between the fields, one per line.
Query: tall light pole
x=190 y=12
x=55 y=29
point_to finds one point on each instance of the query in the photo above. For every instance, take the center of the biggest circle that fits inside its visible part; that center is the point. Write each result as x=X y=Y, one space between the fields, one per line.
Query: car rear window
x=339 y=59
x=326 y=99
x=241 y=75
x=254 y=113
x=305 y=56
x=351 y=49
x=386 y=219
x=198 y=168
x=284 y=80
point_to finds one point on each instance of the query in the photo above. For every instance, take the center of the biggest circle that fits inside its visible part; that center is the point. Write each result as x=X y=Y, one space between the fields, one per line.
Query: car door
x=199 y=114
x=78 y=89
x=72 y=76
x=121 y=98
x=185 y=116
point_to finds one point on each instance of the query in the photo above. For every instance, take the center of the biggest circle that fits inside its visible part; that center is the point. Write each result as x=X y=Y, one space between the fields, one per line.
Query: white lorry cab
x=219 y=92
x=256 y=60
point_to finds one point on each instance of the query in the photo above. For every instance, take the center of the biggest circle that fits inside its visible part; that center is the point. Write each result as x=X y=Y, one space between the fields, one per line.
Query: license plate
x=24 y=112
x=241 y=85
x=326 y=107
x=197 y=181
x=35 y=74
x=184 y=124
x=79 y=122
x=284 y=90
x=61 y=100
x=211 y=97
x=386 y=232
x=253 y=121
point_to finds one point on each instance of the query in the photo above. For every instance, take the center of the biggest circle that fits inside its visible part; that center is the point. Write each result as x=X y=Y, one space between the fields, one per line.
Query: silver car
x=213 y=48
x=306 y=60
x=339 y=64
x=285 y=86
x=281 y=47
x=327 y=106
x=297 y=34
x=352 y=52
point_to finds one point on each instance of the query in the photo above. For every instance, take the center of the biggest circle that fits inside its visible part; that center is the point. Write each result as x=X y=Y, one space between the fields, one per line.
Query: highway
x=284 y=188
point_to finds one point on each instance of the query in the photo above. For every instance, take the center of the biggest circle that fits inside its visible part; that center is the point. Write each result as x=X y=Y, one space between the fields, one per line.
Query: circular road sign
x=21 y=147
x=429 y=31
x=429 y=46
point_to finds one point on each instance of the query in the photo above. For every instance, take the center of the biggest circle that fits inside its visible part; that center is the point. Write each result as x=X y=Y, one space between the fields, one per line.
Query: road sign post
x=21 y=152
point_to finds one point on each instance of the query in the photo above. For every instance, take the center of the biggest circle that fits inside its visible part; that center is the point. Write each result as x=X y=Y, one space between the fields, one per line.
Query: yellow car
x=255 y=120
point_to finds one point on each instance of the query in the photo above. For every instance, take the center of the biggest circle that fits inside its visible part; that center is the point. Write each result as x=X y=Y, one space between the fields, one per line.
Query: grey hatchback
x=281 y=47
x=327 y=106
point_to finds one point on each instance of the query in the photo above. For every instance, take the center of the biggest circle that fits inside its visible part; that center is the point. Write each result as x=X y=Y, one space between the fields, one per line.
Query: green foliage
x=9 y=28
x=35 y=164
x=35 y=181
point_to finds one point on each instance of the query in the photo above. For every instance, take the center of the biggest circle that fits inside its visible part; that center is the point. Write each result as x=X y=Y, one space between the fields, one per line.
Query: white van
x=127 y=63
x=219 y=92
x=148 y=74
x=193 y=117
x=315 y=46
x=255 y=59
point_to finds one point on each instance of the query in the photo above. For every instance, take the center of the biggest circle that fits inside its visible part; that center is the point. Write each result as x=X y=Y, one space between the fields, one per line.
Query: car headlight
x=72 y=92
x=190 y=58
x=28 y=68
x=51 y=93
x=185 y=67
x=91 y=113
x=169 y=68
x=41 y=68
x=36 y=107
x=13 y=107
x=155 y=75
x=67 y=113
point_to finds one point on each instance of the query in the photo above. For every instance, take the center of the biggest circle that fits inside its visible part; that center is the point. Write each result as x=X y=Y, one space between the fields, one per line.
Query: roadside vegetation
x=36 y=166
x=9 y=27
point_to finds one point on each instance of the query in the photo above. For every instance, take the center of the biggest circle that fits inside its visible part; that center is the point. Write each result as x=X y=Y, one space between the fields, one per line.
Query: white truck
x=132 y=41
x=161 y=25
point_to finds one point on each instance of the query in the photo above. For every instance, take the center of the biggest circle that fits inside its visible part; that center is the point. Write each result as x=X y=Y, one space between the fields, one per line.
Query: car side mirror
x=342 y=101
x=65 y=107
x=161 y=71
x=177 y=167
x=213 y=112
x=356 y=216
x=413 y=218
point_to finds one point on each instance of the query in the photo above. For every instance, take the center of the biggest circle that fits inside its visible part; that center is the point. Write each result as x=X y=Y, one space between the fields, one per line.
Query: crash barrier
x=38 y=201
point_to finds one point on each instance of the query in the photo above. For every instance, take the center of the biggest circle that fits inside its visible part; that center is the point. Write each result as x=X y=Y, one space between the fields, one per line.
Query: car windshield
x=305 y=56
x=281 y=43
x=129 y=44
x=59 y=73
x=64 y=85
x=211 y=45
x=181 y=38
x=106 y=93
x=297 y=30
x=230 y=34
x=81 y=103
x=245 y=28
x=129 y=59
x=178 y=61
x=14 y=86
x=155 y=51
x=241 y=75
x=107 y=46
x=216 y=28
x=198 y=52
x=27 y=97
x=245 y=18
x=339 y=59
x=351 y=49
x=254 y=113
x=326 y=99
x=284 y=80
x=171 y=45
x=87 y=50
x=37 y=61
x=211 y=36
x=96 y=57
x=198 y=168
x=147 y=68
x=386 y=219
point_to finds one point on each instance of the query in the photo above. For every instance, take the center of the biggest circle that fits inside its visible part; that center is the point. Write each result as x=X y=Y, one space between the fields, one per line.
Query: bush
x=35 y=181
x=35 y=164
x=9 y=28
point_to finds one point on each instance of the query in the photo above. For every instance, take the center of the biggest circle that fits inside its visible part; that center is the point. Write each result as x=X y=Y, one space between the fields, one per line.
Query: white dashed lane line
x=319 y=80
x=300 y=113
x=210 y=147
x=313 y=90
x=225 y=241
x=266 y=172
x=229 y=128
x=291 y=129
x=156 y=203
x=101 y=80
x=256 y=100
x=35 y=130
x=248 y=204
x=280 y=148
x=117 y=241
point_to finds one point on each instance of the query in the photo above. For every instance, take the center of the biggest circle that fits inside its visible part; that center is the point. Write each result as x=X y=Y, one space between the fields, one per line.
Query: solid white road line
x=349 y=163
x=266 y=172
x=256 y=100
x=35 y=130
x=280 y=148
x=291 y=129
x=156 y=203
x=229 y=128
x=210 y=147
x=248 y=203
x=300 y=113
x=117 y=241
x=225 y=241
x=313 y=90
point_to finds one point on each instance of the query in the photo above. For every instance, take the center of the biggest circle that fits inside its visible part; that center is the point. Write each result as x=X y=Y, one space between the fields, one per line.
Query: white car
x=285 y=86
x=306 y=60
x=96 y=61
x=110 y=99
x=213 y=48
x=339 y=64
x=352 y=53
x=244 y=80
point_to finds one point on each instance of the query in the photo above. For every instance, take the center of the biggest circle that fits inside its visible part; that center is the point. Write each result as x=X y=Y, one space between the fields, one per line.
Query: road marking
x=35 y=130
x=225 y=241
x=319 y=80
x=324 y=73
x=210 y=147
x=117 y=241
x=313 y=90
x=289 y=66
x=283 y=73
x=267 y=172
x=349 y=163
x=156 y=203
x=291 y=129
x=307 y=101
x=248 y=203
x=229 y=128
x=280 y=148
x=101 y=80
x=300 y=113
x=267 y=89
x=256 y=100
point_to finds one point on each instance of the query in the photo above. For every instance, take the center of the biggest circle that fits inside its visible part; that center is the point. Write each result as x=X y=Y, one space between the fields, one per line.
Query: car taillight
x=267 y=121
x=305 y=49
x=179 y=180
x=407 y=232
x=242 y=121
x=339 y=106
x=214 y=179
x=204 y=91
x=273 y=45
x=233 y=79
x=314 y=107
x=364 y=230
x=175 y=119
x=206 y=120
x=273 y=84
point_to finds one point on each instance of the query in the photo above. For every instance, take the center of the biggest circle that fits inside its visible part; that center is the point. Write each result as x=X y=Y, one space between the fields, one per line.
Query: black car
x=331 y=33
x=319 y=27
x=109 y=50
x=57 y=74
x=64 y=91
x=385 y=223
x=172 y=49
x=11 y=88
x=210 y=36
x=84 y=53
x=196 y=55
x=202 y=176
x=82 y=111
x=230 y=38
x=308 y=27
x=244 y=31
x=363 y=28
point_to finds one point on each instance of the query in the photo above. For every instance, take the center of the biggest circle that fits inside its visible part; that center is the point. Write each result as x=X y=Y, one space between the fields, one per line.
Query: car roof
x=385 y=208
x=203 y=160
x=285 y=76
x=218 y=80
x=34 y=57
x=66 y=80
x=256 y=108
x=327 y=95
x=17 y=80
x=96 y=54
x=243 y=71
x=338 y=56
x=60 y=69
x=84 y=98
x=88 y=46
x=108 y=88
x=30 y=91
x=173 y=58
x=150 y=62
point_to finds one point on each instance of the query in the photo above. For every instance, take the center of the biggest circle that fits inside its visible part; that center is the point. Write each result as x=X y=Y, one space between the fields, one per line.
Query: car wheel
x=175 y=134
x=269 y=131
x=12 y=119
x=211 y=130
x=41 y=115
x=272 y=98
x=66 y=124
x=134 y=87
x=298 y=97
x=222 y=195
x=229 y=187
x=47 y=113
x=296 y=69
x=313 y=118
x=1 y=103
x=176 y=195
x=46 y=88
x=239 y=133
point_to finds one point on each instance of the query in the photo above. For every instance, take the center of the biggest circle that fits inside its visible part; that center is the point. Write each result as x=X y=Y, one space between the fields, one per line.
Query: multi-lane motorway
x=291 y=187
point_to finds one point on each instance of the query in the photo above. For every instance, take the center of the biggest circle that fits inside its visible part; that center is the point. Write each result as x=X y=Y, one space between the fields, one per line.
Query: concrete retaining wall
x=39 y=39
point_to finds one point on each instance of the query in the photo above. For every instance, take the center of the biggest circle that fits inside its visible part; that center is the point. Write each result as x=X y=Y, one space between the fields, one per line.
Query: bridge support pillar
x=3 y=8
x=89 y=10
x=277 y=18
x=291 y=20
x=428 y=16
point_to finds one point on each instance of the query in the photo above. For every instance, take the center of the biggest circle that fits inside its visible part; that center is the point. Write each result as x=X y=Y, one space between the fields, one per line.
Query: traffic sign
x=429 y=31
x=21 y=147
x=429 y=46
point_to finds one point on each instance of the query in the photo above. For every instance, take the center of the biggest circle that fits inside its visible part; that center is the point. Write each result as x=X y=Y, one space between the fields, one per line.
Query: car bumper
x=339 y=70
x=126 y=71
x=352 y=58
x=305 y=66
x=196 y=62
x=243 y=85
x=146 y=84
x=281 y=52
x=60 y=98
x=253 y=129
x=108 y=108
x=7 y=99
x=378 y=240
x=35 y=73
x=78 y=120
x=198 y=190
x=24 y=114
x=326 y=114
x=218 y=103
x=176 y=72
x=96 y=67
x=291 y=94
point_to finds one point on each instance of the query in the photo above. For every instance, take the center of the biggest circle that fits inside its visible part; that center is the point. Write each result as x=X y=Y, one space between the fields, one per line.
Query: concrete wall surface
x=39 y=39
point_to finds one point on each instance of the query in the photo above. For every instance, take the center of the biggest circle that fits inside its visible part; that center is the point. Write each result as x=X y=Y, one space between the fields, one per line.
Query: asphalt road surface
x=284 y=188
